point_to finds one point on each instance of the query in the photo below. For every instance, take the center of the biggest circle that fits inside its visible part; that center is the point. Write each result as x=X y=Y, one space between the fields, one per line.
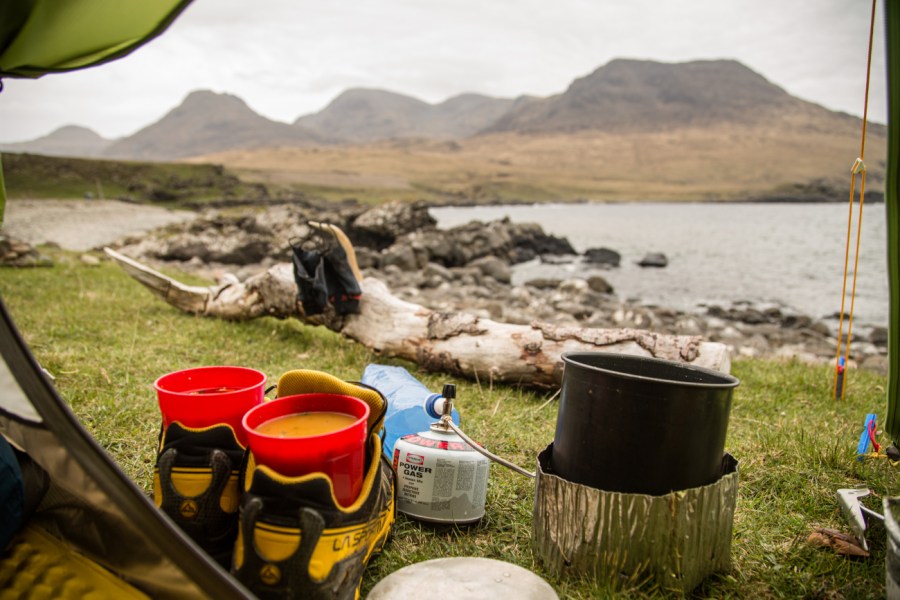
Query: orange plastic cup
x=339 y=453
x=206 y=396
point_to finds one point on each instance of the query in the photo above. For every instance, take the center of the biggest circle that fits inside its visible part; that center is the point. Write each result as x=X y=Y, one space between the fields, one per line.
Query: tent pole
x=2 y=193
x=892 y=208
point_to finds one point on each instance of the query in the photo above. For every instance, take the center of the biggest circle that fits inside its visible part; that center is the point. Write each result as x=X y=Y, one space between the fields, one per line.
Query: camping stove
x=441 y=478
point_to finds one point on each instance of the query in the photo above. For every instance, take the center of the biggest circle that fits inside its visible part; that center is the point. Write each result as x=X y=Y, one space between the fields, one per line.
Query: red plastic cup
x=206 y=396
x=340 y=454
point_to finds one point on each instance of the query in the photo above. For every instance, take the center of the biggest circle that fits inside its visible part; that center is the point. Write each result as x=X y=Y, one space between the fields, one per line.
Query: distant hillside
x=365 y=115
x=624 y=98
x=641 y=95
x=174 y=184
x=70 y=140
x=208 y=122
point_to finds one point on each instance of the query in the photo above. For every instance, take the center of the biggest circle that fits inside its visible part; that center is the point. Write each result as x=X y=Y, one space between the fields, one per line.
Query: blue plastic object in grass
x=407 y=402
x=866 y=438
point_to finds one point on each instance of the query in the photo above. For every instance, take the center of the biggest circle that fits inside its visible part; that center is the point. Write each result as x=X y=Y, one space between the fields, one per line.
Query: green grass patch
x=170 y=184
x=106 y=339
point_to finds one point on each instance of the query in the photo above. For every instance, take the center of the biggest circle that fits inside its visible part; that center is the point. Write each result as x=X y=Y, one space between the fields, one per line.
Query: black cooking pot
x=640 y=425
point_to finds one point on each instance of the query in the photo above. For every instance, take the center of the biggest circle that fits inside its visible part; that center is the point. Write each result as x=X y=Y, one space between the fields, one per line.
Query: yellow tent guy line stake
x=862 y=194
x=859 y=168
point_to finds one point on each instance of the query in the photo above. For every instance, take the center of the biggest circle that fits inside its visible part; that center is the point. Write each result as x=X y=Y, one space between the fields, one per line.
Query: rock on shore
x=468 y=268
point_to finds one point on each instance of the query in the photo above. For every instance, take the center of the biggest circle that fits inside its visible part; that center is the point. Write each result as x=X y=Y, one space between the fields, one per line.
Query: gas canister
x=441 y=478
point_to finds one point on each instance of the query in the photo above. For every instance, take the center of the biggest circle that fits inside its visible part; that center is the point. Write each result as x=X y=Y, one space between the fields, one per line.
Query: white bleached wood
x=455 y=342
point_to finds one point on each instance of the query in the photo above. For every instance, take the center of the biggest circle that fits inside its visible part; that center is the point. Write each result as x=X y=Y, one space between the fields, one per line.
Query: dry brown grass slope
x=794 y=157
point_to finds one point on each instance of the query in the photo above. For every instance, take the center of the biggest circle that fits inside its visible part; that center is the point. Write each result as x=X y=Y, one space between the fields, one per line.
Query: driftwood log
x=454 y=342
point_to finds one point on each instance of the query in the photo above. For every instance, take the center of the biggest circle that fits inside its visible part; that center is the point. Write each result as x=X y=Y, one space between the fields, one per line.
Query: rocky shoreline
x=469 y=268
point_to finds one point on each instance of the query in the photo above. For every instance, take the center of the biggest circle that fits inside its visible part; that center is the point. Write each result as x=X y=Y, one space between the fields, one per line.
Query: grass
x=723 y=163
x=168 y=184
x=106 y=339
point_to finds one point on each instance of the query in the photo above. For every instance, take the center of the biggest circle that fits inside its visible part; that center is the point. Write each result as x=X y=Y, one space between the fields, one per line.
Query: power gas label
x=437 y=483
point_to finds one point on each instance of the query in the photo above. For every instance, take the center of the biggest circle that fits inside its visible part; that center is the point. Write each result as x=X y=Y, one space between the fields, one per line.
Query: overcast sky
x=288 y=58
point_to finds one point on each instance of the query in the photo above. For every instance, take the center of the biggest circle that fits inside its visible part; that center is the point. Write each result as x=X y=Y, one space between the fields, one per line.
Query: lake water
x=786 y=255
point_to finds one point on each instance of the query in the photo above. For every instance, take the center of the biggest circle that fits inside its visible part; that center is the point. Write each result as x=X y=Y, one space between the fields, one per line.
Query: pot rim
x=726 y=380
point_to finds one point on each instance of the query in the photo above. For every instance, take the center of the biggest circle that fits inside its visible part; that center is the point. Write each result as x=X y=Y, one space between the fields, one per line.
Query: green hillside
x=33 y=176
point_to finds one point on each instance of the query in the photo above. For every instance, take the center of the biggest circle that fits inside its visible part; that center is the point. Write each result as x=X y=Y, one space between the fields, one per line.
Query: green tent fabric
x=2 y=193
x=54 y=36
x=892 y=206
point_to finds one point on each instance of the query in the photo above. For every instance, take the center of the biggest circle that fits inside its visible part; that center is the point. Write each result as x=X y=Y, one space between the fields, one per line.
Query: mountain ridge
x=367 y=115
x=624 y=95
x=68 y=140
x=203 y=123
x=630 y=94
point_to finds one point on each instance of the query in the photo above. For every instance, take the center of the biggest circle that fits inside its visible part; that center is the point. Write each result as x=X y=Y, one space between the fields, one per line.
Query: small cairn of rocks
x=16 y=253
x=469 y=268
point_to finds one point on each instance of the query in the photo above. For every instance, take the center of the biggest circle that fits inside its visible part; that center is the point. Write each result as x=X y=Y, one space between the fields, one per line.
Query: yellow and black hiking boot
x=196 y=484
x=296 y=540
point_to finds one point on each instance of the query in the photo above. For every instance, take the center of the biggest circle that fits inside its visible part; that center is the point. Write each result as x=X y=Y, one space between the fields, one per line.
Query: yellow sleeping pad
x=38 y=566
